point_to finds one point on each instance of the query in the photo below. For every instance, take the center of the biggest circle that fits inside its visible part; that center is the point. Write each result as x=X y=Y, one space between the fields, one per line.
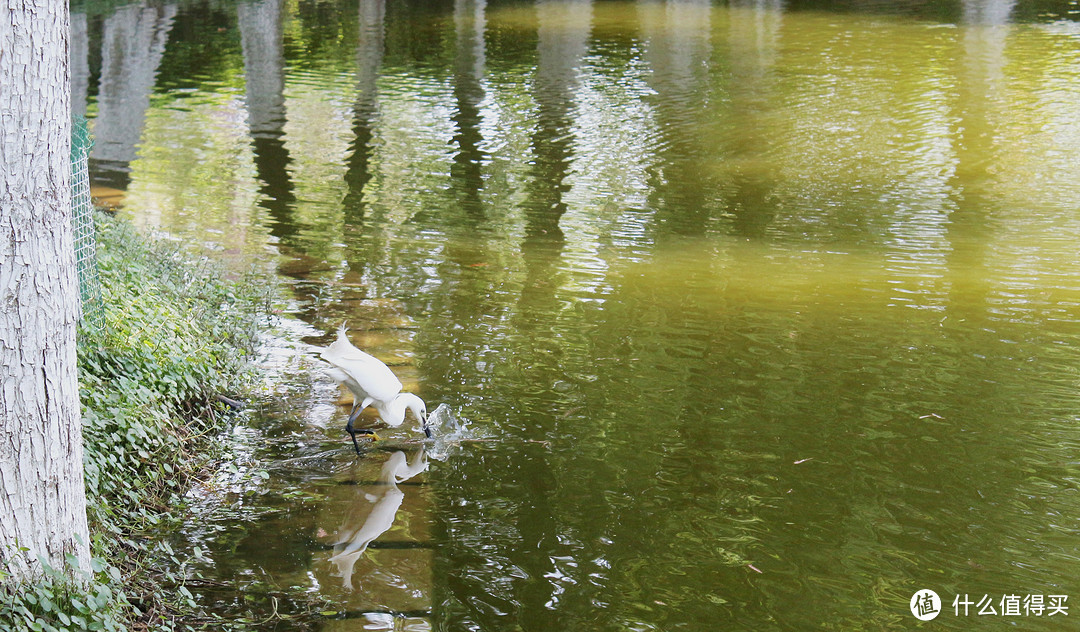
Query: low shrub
x=67 y=599
x=176 y=334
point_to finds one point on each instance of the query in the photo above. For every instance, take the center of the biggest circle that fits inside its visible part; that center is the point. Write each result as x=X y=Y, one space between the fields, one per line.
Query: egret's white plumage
x=372 y=383
x=366 y=372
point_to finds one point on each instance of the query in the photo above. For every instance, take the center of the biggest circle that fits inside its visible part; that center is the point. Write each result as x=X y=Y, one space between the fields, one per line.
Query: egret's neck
x=413 y=403
x=393 y=412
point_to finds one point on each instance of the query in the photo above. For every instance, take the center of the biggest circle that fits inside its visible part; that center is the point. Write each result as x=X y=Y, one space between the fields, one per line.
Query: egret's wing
x=348 y=354
x=368 y=380
x=336 y=374
x=341 y=377
x=368 y=373
x=344 y=352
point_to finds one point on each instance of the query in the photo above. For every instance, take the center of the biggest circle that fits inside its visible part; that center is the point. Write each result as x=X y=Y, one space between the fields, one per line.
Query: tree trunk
x=42 y=496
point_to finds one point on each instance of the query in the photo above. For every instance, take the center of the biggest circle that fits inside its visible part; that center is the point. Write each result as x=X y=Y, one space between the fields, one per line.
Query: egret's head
x=418 y=408
x=416 y=405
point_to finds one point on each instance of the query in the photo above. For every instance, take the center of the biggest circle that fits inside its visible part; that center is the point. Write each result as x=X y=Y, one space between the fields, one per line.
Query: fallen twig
x=230 y=402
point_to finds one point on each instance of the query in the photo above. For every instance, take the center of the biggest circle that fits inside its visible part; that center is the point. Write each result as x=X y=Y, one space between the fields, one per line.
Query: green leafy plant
x=66 y=599
x=178 y=334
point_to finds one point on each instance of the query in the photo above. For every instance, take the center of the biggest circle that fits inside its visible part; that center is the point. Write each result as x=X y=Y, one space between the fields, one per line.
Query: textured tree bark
x=42 y=495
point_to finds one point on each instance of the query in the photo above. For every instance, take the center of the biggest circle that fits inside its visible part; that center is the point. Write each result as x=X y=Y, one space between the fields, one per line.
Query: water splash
x=448 y=432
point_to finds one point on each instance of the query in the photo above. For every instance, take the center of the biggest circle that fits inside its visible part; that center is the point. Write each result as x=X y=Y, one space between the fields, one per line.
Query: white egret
x=372 y=384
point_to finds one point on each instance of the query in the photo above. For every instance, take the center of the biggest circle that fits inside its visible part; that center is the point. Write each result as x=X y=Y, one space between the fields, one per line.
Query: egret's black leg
x=352 y=433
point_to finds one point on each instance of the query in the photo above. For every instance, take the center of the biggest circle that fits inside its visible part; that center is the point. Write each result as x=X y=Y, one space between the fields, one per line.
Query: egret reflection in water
x=373 y=511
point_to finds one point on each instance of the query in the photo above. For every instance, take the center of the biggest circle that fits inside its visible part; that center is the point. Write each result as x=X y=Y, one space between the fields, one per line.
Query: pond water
x=760 y=315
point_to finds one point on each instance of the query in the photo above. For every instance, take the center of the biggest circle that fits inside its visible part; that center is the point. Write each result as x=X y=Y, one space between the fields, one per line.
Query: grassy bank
x=174 y=347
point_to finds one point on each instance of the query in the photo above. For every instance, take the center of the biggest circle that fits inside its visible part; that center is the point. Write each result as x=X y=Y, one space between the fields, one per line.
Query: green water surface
x=768 y=312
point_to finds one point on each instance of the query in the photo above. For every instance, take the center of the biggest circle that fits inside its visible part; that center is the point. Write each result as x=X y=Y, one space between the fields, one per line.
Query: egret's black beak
x=426 y=427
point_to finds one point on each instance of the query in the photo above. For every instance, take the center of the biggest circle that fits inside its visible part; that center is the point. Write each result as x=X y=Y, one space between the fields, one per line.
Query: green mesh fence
x=82 y=221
